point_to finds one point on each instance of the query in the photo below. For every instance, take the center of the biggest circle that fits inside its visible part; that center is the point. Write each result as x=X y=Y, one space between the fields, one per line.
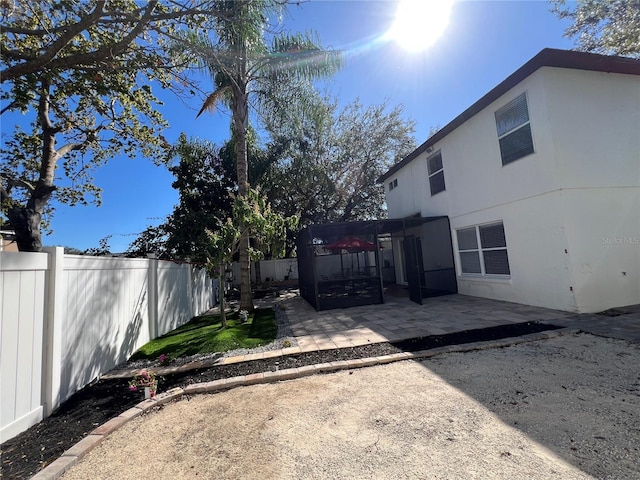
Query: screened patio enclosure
x=350 y=264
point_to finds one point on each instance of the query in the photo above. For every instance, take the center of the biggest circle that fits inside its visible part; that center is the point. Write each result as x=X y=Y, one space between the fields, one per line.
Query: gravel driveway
x=566 y=408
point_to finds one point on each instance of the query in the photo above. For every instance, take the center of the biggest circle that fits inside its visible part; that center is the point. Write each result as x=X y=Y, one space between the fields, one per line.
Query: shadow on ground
x=578 y=396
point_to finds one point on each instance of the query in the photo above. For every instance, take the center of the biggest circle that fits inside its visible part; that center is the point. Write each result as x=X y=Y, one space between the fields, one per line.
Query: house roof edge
x=548 y=57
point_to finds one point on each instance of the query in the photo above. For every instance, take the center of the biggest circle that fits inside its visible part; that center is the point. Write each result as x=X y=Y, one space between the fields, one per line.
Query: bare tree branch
x=18 y=182
x=142 y=18
x=70 y=32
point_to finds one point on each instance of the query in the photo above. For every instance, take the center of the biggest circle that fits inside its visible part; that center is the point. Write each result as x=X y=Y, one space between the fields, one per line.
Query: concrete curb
x=69 y=458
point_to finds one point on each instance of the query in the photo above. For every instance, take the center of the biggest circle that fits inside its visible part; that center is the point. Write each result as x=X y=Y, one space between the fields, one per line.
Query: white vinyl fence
x=67 y=319
x=270 y=270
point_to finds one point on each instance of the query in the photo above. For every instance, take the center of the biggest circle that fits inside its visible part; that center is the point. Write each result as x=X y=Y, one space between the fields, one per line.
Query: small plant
x=164 y=359
x=147 y=381
x=286 y=343
x=243 y=316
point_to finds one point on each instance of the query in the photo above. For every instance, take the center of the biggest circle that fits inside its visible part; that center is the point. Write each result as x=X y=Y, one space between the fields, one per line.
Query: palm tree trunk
x=240 y=118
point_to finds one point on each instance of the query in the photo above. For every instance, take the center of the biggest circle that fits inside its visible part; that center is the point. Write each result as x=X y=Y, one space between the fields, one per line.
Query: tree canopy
x=205 y=187
x=83 y=74
x=328 y=163
x=610 y=27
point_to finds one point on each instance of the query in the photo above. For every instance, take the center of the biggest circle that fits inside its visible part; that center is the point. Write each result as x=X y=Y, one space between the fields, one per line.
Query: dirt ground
x=566 y=408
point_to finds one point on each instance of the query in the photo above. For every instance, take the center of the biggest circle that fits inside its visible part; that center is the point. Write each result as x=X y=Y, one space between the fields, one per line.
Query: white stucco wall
x=536 y=246
x=596 y=133
x=571 y=210
x=597 y=149
x=602 y=228
x=474 y=175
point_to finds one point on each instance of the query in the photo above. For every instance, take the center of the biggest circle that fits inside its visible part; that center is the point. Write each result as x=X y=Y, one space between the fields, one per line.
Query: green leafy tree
x=73 y=251
x=204 y=186
x=152 y=239
x=103 y=249
x=328 y=163
x=610 y=27
x=252 y=218
x=223 y=245
x=81 y=72
x=243 y=67
x=204 y=181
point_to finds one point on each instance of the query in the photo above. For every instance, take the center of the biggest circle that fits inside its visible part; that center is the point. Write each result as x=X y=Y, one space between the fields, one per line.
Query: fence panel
x=279 y=270
x=205 y=291
x=67 y=319
x=106 y=316
x=174 y=291
x=275 y=270
x=22 y=297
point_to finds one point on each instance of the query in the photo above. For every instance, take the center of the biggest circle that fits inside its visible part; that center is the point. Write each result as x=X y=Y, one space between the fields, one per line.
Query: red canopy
x=355 y=244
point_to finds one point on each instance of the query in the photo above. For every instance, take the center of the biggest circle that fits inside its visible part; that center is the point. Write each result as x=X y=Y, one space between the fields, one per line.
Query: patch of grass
x=204 y=334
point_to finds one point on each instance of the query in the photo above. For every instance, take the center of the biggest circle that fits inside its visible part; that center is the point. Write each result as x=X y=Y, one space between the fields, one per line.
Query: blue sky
x=483 y=43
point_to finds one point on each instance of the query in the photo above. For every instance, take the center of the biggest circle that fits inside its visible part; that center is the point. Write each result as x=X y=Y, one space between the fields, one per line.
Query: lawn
x=204 y=334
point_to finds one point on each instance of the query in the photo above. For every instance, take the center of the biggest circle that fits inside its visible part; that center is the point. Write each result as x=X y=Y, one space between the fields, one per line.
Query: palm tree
x=243 y=68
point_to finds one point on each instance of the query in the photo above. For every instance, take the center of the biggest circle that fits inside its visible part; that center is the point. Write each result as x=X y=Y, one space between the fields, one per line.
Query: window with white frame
x=393 y=184
x=514 y=130
x=483 y=250
x=436 y=173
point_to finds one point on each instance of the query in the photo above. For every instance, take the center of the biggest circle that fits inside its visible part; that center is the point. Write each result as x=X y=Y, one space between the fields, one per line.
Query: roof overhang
x=549 y=57
x=367 y=227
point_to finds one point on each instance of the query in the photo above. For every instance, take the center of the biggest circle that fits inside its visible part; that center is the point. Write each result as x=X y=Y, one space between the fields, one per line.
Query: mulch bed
x=29 y=452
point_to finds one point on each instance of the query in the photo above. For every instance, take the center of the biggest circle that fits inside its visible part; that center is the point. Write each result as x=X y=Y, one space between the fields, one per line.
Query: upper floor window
x=483 y=250
x=514 y=130
x=436 y=173
x=393 y=184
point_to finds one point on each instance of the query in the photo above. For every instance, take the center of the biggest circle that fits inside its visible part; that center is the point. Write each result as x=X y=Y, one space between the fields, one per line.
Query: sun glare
x=419 y=23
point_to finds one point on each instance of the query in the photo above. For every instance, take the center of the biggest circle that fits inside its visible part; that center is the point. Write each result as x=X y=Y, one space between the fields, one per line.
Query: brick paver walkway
x=400 y=319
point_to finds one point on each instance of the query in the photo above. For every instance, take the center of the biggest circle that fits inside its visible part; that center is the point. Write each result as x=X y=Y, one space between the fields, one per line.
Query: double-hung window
x=393 y=184
x=436 y=173
x=514 y=130
x=483 y=250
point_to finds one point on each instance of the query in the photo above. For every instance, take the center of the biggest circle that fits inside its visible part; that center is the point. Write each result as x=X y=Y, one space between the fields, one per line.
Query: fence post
x=152 y=290
x=54 y=313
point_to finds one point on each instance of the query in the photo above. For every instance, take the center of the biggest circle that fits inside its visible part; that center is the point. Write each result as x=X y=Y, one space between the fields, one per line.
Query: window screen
x=436 y=174
x=467 y=239
x=496 y=262
x=470 y=262
x=435 y=163
x=514 y=130
x=436 y=183
x=488 y=258
x=516 y=145
x=512 y=115
x=492 y=236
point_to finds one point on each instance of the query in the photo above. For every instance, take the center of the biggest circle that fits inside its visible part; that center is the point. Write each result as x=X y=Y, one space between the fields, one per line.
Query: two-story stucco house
x=540 y=179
